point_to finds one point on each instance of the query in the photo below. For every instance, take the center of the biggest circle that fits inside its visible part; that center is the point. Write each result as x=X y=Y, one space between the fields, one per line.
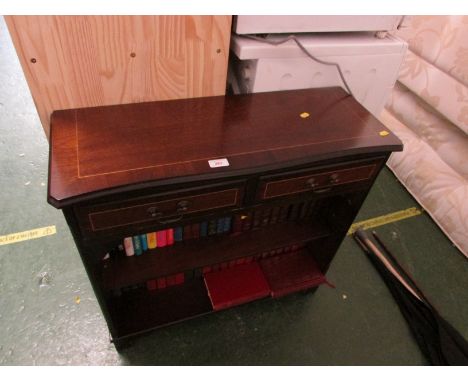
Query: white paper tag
x=223 y=162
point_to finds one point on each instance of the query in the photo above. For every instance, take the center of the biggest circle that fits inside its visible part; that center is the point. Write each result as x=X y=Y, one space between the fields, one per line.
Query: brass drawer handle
x=323 y=190
x=182 y=207
x=154 y=212
x=334 y=178
x=312 y=183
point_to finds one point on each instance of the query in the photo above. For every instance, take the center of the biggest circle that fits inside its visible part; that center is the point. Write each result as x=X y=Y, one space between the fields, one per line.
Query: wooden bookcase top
x=102 y=149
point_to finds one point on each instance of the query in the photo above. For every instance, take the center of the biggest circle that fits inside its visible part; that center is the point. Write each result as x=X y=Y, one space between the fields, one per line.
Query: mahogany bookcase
x=289 y=171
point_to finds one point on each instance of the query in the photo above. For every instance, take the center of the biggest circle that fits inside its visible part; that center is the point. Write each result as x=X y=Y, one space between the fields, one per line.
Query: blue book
x=220 y=226
x=144 y=243
x=137 y=245
x=204 y=229
x=178 y=233
x=227 y=224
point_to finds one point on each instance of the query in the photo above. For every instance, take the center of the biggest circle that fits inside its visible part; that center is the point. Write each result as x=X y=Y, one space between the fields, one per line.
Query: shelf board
x=140 y=311
x=193 y=254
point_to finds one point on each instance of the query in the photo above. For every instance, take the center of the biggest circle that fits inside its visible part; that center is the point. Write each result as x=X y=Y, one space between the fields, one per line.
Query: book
x=151 y=285
x=212 y=227
x=247 y=221
x=237 y=225
x=151 y=240
x=161 y=238
x=196 y=230
x=187 y=232
x=283 y=213
x=170 y=236
x=220 y=226
x=128 y=245
x=161 y=282
x=257 y=216
x=265 y=217
x=203 y=229
x=178 y=234
x=144 y=243
x=179 y=278
x=227 y=224
x=137 y=245
x=274 y=215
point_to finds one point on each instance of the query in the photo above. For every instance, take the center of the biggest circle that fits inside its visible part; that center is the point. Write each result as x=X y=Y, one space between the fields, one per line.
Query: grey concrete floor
x=43 y=323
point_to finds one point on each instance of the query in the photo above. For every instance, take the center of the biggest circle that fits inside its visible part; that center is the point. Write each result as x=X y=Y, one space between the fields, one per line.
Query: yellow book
x=151 y=238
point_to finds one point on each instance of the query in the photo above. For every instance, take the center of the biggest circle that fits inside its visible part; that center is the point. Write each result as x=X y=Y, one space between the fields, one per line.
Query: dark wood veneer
x=126 y=170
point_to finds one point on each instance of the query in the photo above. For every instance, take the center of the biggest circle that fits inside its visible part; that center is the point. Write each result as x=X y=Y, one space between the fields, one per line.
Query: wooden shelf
x=193 y=254
x=139 y=311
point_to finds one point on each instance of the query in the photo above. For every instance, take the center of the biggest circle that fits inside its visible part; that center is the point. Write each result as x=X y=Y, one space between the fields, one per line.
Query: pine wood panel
x=84 y=61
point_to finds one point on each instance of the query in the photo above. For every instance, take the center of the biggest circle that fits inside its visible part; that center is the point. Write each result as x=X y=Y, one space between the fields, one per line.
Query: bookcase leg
x=121 y=345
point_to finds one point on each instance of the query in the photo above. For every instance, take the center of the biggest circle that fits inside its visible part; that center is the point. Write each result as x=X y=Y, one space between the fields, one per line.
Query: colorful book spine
x=144 y=243
x=203 y=229
x=212 y=227
x=151 y=240
x=187 y=232
x=220 y=226
x=196 y=230
x=178 y=234
x=227 y=224
x=161 y=238
x=170 y=236
x=137 y=245
x=128 y=245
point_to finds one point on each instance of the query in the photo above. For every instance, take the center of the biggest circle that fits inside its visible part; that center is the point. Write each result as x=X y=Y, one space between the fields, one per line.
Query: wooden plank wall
x=81 y=61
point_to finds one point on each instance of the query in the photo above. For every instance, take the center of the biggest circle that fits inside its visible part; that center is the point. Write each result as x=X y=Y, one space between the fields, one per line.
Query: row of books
x=179 y=278
x=246 y=221
x=139 y=244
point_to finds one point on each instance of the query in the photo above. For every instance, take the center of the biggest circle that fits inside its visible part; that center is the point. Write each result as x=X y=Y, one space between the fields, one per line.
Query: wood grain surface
x=84 y=61
x=96 y=150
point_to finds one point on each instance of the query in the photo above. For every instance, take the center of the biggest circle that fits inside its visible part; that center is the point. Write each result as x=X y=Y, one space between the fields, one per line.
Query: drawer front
x=158 y=209
x=316 y=181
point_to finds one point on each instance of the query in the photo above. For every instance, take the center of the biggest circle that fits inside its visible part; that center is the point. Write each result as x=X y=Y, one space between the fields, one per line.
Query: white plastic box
x=369 y=64
x=244 y=24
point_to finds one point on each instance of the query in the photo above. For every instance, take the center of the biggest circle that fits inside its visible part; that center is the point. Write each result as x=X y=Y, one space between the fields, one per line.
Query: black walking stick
x=438 y=340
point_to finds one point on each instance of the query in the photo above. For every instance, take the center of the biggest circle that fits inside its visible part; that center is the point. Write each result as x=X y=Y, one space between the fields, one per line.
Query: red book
x=206 y=269
x=151 y=285
x=170 y=236
x=236 y=285
x=188 y=232
x=179 y=278
x=196 y=230
x=291 y=273
x=161 y=238
x=170 y=280
x=161 y=283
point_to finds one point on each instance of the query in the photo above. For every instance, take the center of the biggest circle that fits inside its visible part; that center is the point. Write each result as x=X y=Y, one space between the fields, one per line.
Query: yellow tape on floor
x=27 y=235
x=385 y=219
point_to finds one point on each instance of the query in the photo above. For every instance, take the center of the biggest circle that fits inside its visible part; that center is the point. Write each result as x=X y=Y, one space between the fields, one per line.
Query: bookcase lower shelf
x=140 y=310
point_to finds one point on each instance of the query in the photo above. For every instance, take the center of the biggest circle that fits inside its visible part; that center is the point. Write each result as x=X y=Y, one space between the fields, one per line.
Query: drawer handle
x=334 y=178
x=154 y=213
x=323 y=190
x=311 y=183
x=182 y=207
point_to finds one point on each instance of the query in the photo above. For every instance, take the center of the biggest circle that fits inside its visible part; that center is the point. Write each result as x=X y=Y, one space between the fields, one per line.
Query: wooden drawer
x=318 y=181
x=159 y=209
